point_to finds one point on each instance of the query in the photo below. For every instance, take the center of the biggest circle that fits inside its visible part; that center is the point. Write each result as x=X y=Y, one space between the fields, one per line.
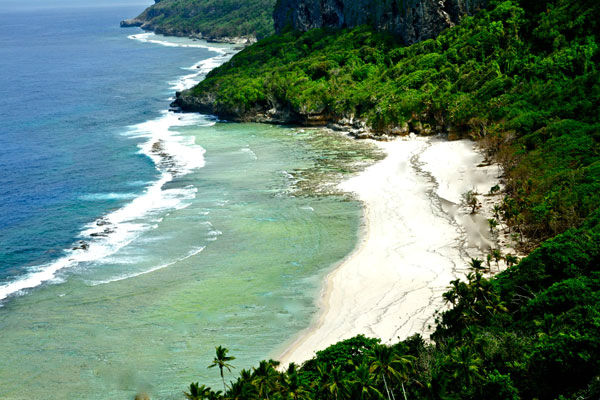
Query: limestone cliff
x=412 y=20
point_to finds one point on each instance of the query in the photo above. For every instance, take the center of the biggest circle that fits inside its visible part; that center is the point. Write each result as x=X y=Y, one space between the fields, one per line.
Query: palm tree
x=364 y=384
x=214 y=395
x=476 y=264
x=291 y=386
x=221 y=360
x=493 y=224
x=511 y=260
x=332 y=381
x=497 y=255
x=242 y=389
x=386 y=363
x=197 y=392
x=469 y=199
x=264 y=377
x=465 y=365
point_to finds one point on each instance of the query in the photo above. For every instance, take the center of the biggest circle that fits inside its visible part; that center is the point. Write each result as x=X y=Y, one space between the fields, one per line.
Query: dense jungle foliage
x=532 y=332
x=211 y=18
x=522 y=75
x=523 y=78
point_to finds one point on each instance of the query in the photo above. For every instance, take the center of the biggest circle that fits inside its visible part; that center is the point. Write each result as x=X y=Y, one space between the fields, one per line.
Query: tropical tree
x=476 y=264
x=465 y=366
x=264 y=377
x=493 y=224
x=242 y=389
x=221 y=360
x=364 y=385
x=390 y=366
x=497 y=255
x=291 y=384
x=511 y=260
x=469 y=199
x=332 y=382
x=197 y=392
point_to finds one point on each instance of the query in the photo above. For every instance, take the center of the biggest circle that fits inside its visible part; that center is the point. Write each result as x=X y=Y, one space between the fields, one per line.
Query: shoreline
x=234 y=40
x=415 y=238
x=171 y=156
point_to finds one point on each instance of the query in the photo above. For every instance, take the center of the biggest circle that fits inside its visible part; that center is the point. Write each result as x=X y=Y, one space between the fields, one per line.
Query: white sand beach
x=416 y=238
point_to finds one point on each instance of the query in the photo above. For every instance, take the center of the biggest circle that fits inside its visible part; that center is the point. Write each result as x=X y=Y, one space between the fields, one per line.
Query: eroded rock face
x=412 y=20
x=132 y=22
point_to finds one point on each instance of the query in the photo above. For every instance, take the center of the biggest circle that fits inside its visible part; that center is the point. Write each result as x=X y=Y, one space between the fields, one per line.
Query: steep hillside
x=221 y=20
x=522 y=78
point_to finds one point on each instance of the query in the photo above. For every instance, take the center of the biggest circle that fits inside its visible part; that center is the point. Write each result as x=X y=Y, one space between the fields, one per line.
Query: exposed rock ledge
x=285 y=115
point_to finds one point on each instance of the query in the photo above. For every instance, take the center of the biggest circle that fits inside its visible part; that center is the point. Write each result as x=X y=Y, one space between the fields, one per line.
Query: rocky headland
x=232 y=21
x=408 y=21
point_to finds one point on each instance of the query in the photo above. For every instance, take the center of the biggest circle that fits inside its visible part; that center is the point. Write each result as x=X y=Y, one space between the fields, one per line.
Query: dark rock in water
x=81 y=246
x=102 y=222
x=143 y=396
x=412 y=20
x=104 y=233
x=132 y=22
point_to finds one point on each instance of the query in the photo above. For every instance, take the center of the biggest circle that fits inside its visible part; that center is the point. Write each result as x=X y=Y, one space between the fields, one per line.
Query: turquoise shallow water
x=199 y=233
x=241 y=266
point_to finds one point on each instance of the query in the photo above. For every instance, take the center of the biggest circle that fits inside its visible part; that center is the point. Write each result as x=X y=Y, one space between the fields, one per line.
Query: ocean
x=134 y=240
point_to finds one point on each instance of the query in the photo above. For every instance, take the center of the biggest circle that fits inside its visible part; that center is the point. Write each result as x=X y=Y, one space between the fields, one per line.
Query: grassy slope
x=211 y=18
x=523 y=78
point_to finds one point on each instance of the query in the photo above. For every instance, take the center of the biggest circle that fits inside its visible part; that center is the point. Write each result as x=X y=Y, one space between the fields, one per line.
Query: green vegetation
x=521 y=76
x=532 y=332
x=221 y=360
x=211 y=19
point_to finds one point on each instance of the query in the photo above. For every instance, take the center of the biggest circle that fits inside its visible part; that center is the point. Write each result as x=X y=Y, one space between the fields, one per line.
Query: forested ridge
x=208 y=19
x=522 y=78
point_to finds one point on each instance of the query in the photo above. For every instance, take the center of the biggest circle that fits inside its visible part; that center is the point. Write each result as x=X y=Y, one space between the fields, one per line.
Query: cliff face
x=411 y=20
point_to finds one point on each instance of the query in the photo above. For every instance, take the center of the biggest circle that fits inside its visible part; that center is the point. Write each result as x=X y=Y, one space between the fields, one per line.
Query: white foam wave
x=199 y=71
x=107 y=196
x=151 y=37
x=173 y=155
x=249 y=151
x=190 y=254
x=170 y=151
x=108 y=234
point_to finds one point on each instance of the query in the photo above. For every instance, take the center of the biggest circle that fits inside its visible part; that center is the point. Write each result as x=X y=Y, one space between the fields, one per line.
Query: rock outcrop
x=131 y=23
x=411 y=20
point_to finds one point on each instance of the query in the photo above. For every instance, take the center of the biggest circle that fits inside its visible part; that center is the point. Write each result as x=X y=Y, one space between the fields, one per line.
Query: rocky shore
x=206 y=103
x=148 y=26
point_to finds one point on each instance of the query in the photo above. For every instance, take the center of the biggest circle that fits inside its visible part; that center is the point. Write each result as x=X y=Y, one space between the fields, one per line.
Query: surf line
x=173 y=155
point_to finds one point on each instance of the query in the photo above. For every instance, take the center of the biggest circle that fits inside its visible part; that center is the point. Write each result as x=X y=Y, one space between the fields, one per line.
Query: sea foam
x=173 y=155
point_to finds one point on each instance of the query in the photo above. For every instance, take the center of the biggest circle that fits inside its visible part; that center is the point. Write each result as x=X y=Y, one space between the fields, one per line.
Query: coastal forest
x=522 y=77
x=209 y=19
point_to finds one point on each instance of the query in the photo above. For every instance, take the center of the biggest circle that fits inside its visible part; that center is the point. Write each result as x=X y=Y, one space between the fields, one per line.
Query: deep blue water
x=70 y=85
